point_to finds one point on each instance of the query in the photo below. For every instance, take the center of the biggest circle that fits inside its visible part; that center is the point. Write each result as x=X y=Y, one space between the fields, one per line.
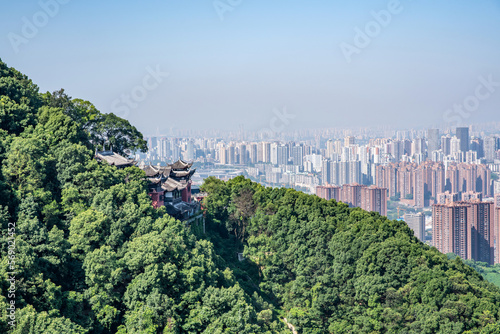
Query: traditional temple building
x=114 y=159
x=170 y=186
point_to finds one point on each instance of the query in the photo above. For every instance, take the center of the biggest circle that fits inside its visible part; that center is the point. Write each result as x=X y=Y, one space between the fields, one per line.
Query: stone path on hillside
x=290 y=326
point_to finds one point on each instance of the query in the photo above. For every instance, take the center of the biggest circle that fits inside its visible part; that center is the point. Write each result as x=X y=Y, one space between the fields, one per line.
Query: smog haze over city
x=228 y=63
x=250 y=166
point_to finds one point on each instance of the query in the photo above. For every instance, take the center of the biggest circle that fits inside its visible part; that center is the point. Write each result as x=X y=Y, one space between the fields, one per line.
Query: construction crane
x=399 y=208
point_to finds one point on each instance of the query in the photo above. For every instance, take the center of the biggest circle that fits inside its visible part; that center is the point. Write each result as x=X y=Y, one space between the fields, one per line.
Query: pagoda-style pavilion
x=170 y=186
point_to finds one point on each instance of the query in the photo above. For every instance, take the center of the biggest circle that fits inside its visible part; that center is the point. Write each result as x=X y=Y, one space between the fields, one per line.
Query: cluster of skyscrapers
x=352 y=159
x=453 y=172
x=422 y=184
x=468 y=228
x=169 y=149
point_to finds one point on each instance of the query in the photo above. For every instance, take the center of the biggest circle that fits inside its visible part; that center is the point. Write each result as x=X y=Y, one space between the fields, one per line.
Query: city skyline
x=415 y=167
x=230 y=63
x=387 y=131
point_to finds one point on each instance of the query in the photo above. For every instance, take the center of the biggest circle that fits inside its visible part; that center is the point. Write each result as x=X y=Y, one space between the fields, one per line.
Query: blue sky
x=263 y=55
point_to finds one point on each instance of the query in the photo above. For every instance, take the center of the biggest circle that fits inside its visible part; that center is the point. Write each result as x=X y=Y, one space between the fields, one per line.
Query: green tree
x=118 y=132
x=88 y=231
x=19 y=100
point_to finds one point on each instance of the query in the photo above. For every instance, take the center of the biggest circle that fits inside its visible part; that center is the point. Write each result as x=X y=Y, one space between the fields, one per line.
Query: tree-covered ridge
x=91 y=253
x=491 y=273
x=334 y=269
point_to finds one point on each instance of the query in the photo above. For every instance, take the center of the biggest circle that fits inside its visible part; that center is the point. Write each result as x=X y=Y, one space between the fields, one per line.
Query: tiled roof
x=152 y=171
x=180 y=165
x=171 y=185
x=114 y=159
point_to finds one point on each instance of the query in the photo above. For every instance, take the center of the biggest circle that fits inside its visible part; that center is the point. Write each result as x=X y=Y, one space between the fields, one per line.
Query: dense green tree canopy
x=118 y=132
x=334 y=269
x=19 y=100
x=91 y=253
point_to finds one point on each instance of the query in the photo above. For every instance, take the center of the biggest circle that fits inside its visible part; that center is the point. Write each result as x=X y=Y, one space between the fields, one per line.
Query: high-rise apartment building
x=231 y=152
x=421 y=188
x=368 y=198
x=243 y=154
x=328 y=192
x=447 y=197
x=472 y=195
x=152 y=143
x=330 y=149
x=252 y=153
x=163 y=148
x=298 y=155
x=497 y=227
x=465 y=228
x=456 y=148
x=397 y=150
x=326 y=176
x=417 y=223
x=283 y=155
x=417 y=146
x=463 y=135
x=349 y=140
x=191 y=153
x=490 y=147
x=374 y=199
x=274 y=153
x=266 y=152
x=446 y=144
x=477 y=146
x=351 y=194
x=386 y=177
x=338 y=146
x=433 y=140
x=354 y=173
x=449 y=232
x=223 y=154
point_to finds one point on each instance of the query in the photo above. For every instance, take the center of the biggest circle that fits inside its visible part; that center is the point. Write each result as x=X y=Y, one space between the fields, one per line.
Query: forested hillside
x=490 y=272
x=333 y=269
x=89 y=254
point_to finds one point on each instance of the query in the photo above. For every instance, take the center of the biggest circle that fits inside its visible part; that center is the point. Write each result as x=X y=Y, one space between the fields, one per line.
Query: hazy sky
x=231 y=62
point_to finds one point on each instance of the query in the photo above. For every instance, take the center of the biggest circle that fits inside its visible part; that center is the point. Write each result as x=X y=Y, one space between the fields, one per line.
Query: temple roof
x=180 y=165
x=152 y=171
x=171 y=185
x=165 y=170
x=155 y=180
x=182 y=174
x=172 y=177
x=114 y=159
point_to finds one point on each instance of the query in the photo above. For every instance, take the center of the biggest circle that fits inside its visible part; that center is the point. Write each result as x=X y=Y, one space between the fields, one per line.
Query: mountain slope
x=341 y=270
